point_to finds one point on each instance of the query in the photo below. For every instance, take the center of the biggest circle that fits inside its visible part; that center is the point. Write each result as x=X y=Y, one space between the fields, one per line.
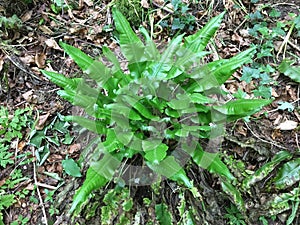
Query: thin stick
x=285 y=41
x=39 y=193
x=265 y=141
x=37 y=186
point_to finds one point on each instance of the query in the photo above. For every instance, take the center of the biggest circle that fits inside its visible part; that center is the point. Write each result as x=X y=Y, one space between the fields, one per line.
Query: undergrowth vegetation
x=158 y=108
x=162 y=124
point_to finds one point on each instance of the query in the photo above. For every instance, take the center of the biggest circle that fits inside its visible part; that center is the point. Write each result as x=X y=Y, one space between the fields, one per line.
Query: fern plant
x=157 y=108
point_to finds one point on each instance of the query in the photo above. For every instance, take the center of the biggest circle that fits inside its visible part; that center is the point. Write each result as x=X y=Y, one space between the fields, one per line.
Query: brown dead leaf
x=27 y=59
x=46 y=30
x=40 y=60
x=276 y=134
x=51 y=43
x=54 y=158
x=159 y=2
x=2 y=181
x=28 y=95
x=241 y=130
x=21 y=145
x=277 y=120
x=240 y=40
x=74 y=148
x=26 y=16
x=291 y=92
x=41 y=121
x=297 y=115
x=2 y=61
x=30 y=187
x=274 y=93
x=244 y=33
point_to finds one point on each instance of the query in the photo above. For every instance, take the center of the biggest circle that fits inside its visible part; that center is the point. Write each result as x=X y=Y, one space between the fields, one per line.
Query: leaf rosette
x=157 y=109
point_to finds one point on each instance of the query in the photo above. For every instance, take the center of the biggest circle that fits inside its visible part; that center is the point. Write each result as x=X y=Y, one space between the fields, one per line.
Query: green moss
x=132 y=10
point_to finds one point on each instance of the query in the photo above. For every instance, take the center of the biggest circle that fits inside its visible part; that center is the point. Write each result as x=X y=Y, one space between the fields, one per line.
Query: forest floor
x=34 y=176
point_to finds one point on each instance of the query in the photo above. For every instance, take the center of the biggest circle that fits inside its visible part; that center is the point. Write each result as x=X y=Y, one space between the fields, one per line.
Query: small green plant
x=58 y=5
x=11 y=128
x=117 y=202
x=13 y=22
x=132 y=11
x=157 y=111
x=54 y=133
x=12 y=125
x=6 y=200
x=234 y=215
x=20 y=221
x=267 y=29
x=180 y=19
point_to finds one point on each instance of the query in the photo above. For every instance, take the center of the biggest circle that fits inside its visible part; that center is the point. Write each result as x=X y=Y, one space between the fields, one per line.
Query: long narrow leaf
x=262 y=172
x=242 y=107
x=61 y=80
x=221 y=70
x=198 y=41
x=160 y=70
x=151 y=51
x=172 y=170
x=211 y=162
x=132 y=47
x=292 y=72
x=81 y=59
x=98 y=174
x=288 y=174
x=235 y=194
x=92 y=125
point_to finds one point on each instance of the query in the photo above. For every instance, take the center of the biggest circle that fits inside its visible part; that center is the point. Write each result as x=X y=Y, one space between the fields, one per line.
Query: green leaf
x=262 y=172
x=185 y=58
x=171 y=50
x=160 y=70
x=223 y=72
x=163 y=215
x=6 y=201
x=242 y=107
x=112 y=58
x=288 y=174
x=293 y=214
x=286 y=105
x=81 y=59
x=182 y=101
x=157 y=154
x=201 y=99
x=142 y=109
x=209 y=161
x=172 y=170
x=198 y=41
x=263 y=91
x=92 y=125
x=292 y=72
x=121 y=108
x=99 y=72
x=62 y=81
x=249 y=73
x=98 y=174
x=71 y=167
x=217 y=73
x=235 y=194
x=151 y=52
x=132 y=47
